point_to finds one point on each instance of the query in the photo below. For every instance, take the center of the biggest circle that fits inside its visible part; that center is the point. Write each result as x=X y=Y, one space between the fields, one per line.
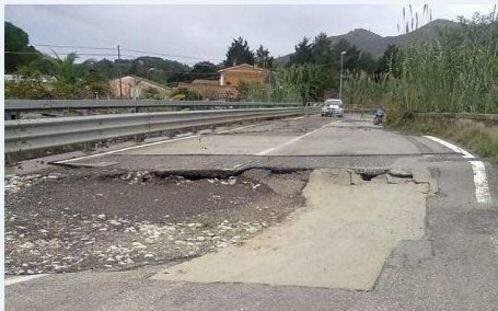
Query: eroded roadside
x=73 y=220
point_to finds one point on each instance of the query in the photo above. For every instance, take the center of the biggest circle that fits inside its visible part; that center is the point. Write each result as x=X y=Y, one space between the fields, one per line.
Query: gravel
x=73 y=220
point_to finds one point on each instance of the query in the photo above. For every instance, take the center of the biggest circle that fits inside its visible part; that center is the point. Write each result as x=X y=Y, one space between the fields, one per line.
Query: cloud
x=202 y=31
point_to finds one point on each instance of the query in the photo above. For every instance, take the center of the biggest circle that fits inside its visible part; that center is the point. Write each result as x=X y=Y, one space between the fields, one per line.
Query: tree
x=106 y=68
x=73 y=81
x=239 y=53
x=306 y=80
x=321 y=50
x=204 y=69
x=17 y=43
x=263 y=58
x=65 y=70
x=389 y=62
x=365 y=62
x=302 y=53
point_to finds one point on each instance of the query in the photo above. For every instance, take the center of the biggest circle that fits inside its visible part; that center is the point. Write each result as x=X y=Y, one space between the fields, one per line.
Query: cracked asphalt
x=453 y=267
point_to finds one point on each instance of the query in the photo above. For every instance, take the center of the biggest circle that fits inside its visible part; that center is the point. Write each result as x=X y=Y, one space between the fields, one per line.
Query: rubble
x=50 y=229
x=151 y=242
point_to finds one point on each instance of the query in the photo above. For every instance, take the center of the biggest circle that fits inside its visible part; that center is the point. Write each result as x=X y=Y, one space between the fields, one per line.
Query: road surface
x=389 y=222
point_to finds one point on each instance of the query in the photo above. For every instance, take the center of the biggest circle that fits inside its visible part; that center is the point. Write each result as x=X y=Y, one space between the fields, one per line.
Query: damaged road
x=340 y=239
x=70 y=221
x=296 y=214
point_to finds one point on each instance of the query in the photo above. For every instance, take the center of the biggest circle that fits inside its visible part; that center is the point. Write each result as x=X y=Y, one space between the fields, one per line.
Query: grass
x=483 y=140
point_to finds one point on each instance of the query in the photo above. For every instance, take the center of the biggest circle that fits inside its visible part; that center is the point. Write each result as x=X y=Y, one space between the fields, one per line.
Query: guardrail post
x=89 y=146
x=8 y=158
x=139 y=138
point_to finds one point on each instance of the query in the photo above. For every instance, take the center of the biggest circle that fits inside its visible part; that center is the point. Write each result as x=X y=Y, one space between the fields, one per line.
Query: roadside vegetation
x=479 y=137
x=456 y=73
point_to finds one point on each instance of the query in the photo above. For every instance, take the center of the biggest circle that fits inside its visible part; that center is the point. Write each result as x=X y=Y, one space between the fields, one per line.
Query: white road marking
x=237 y=166
x=465 y=154
x=297 y=118
x=125 y=149
x=480 y=180
x=146 y=145
x=269 y=150
x=19 y=279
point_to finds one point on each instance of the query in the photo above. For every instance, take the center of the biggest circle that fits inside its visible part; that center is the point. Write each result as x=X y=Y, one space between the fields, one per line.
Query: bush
x=182 y=93
x=253 y=92
x=152 y=93
x=27 y=89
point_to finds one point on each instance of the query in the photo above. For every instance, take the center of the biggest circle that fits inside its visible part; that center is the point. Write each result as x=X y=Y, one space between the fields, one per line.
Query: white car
x=332 y=107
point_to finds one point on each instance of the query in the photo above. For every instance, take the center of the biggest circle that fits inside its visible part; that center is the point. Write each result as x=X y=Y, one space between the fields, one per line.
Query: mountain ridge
x=368 y=41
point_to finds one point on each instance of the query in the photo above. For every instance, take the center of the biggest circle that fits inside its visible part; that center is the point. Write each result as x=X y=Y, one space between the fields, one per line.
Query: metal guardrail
x=32 y=134
x=16 y=105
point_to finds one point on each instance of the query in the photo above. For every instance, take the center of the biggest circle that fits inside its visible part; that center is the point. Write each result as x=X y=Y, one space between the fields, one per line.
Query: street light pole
x=119 y=72
x=340 y=78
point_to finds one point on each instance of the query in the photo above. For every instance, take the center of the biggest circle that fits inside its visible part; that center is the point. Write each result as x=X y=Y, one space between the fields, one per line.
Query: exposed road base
x=340 y=240
x=76 y=220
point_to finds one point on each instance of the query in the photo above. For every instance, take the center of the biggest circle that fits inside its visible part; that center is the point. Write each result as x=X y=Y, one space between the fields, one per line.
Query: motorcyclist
x=381 y=111
x=379 y=115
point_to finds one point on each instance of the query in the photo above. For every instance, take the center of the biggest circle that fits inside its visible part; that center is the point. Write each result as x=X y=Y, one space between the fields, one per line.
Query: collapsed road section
x=71 y=220
x=341 y=239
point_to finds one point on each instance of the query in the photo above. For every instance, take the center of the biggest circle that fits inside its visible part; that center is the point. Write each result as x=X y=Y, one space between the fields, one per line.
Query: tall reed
x=457 y=72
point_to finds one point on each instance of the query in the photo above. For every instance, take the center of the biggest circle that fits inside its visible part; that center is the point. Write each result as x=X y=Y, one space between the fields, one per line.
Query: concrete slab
x=218 y=144
x=347 y=140
x=331 y=140
x=339 y=240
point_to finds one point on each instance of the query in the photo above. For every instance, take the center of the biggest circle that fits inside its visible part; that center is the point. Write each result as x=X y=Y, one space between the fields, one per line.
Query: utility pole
x=119 y=73
x=340 y=78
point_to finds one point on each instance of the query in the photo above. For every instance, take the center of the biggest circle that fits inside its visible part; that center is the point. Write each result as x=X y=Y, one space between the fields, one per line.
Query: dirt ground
x=72 y=220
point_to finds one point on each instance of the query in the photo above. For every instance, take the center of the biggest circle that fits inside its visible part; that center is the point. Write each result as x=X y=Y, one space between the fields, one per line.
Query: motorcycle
x=379 y=116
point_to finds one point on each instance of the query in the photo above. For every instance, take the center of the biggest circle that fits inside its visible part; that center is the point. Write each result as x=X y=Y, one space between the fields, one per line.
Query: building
x=225 y=88
x=134 y=87
x=233 y=76
x=211 y=90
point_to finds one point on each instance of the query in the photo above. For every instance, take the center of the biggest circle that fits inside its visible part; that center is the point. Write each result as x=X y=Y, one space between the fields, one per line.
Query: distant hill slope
x=375 y=44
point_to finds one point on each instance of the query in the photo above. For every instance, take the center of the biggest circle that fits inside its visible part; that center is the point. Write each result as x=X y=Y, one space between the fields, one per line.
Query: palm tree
x=65 y=70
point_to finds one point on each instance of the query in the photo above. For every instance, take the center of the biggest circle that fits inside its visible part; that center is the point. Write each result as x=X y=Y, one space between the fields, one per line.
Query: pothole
x=392 y=175
x=368 y=176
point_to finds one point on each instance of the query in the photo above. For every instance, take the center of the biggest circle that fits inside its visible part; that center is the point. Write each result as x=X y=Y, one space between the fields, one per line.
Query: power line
x=64 y=46
x=170 y=55
x=84 y=54
x=75 y=47
x=102 y=54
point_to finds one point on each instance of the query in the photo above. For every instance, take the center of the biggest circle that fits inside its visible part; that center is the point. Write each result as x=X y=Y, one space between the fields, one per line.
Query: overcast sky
x=205 y=31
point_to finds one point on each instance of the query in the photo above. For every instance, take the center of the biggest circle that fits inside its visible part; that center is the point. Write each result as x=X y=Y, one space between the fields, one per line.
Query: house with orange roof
x=233 y=76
